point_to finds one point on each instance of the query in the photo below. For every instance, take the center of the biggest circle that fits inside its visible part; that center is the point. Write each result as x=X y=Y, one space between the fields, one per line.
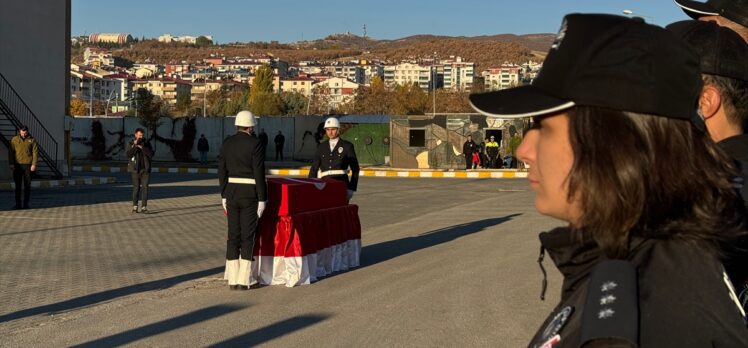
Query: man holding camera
x=140 y=152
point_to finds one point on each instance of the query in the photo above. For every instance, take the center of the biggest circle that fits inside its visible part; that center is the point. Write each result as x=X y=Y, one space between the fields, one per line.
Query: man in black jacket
x=241 y=174
x=467 y=149
x=334 y=157
x=203 y=148
x=140 y=153
x=279 y=141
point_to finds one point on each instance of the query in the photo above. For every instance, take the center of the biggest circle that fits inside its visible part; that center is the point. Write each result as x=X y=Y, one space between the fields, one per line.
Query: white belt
x=332 y=172
x=242 y=181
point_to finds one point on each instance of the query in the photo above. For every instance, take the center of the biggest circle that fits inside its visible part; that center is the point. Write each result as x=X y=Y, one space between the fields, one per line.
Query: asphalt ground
x=445 y=262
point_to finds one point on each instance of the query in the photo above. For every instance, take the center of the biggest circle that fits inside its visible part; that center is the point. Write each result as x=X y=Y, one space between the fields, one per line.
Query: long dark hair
x=647 y=176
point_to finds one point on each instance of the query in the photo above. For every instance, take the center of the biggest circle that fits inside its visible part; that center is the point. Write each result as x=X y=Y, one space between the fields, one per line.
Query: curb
x=305 y=172
x=415 y=174
x=123 y=169
x=62 y=182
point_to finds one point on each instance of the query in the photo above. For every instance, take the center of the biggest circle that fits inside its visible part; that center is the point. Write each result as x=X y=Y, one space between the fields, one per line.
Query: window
x=417 y=138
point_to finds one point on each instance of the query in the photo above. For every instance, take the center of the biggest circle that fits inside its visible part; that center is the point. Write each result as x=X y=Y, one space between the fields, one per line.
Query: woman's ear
x=710 y=101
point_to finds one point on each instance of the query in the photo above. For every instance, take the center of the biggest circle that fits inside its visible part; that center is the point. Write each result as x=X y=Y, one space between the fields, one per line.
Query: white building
x=301 y=85
x=409 y=73
x=505 y=76
x=184 y=38
x=97 y=57
x=457 y=74
x=339 y=90
x=353 y=73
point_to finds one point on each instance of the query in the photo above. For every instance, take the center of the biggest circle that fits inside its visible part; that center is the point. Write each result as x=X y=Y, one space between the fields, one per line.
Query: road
x=445 y=262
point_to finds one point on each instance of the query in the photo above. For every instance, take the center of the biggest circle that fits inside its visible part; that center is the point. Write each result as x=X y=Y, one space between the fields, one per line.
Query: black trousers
x=468 y=160
x=22 y=178
x=279 y=152
x=140 y=184
x=493 y=160
x=242 y=220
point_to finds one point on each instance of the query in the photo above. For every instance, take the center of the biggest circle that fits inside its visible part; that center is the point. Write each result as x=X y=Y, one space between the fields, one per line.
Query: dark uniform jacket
x=469 y=147
x=684 y=297
x=736 y=147
x=202 y=145
x=23 y=150
x=340 y=158
x=242 y=156
x=139 y=161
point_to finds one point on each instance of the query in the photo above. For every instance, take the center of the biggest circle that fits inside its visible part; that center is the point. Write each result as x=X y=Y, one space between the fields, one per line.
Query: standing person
x=483 y=155
x=203 y=147
x=334 y=156
x=241 y=174
x=476 y=159
x=467 y=150
x=723 y=104
x=140 y=153
x=492 y=150
x=263 y=139
x=731 y=14
x=22 y=155
x=640 y=253
x=279 y=141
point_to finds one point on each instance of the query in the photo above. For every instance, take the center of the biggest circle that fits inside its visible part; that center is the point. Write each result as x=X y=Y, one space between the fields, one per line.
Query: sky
x=289 y=21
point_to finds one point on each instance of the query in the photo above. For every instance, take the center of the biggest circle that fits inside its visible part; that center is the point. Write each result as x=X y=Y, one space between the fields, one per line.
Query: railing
x=20 y=114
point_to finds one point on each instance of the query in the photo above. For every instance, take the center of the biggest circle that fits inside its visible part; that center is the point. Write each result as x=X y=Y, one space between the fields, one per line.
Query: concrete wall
x=35 y=59
x=175 y=140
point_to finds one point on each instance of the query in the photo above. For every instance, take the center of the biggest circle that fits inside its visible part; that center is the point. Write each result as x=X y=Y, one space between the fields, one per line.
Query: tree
x=294 y=103
x=149 y=109
x=183 y=102
x=409 y=100
x=203 y=41
x=267 y=104
x=78 y=107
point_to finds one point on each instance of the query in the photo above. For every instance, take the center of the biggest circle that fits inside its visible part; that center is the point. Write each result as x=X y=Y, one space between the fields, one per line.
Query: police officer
x=334 y=157
x=492 y=150
x=241 y=174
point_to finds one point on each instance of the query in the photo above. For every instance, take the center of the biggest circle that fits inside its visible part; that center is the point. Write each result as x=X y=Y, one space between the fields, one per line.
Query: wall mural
x=444 y=136
x=181 y=149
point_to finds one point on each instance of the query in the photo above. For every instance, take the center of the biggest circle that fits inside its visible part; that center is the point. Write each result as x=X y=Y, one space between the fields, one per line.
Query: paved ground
x=445 y=262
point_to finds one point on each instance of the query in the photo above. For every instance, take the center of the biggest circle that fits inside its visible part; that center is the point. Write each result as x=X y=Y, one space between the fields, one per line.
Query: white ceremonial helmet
x=245 y=119
x=332 y=122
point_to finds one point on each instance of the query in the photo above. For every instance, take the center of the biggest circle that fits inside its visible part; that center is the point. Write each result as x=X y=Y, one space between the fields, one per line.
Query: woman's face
x=547 y=150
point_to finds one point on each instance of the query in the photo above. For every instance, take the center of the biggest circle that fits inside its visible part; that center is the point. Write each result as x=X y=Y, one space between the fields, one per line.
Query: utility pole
x=90 y=97
x=433 y=81
x=205 y=91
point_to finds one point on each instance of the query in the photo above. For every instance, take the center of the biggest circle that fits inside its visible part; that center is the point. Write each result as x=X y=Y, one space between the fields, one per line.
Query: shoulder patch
x=557 y=323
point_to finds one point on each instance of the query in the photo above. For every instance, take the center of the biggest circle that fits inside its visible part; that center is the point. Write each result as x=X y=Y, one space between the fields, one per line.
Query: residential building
x=457 y=74
x=97 y=57
x=353 y=73
x=184 y=38
x=166 y=89
x=301 y=85
x=409 y=73
x=87 y=84
x=119 y=38
x=371 y=70
x=339 y=90
x=505 y=76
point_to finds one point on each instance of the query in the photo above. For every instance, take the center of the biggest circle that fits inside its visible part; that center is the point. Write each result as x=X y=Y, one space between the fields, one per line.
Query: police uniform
x=334 y=163
x=634 y=304
x=241 y=174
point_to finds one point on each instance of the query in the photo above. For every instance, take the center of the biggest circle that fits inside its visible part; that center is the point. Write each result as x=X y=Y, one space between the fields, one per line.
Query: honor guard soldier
x=241 y=174
x=334 y=157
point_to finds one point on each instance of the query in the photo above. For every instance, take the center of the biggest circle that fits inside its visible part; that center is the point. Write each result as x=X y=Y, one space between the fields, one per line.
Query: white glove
x=223 y=203
x=260 y=208
x=350 y=194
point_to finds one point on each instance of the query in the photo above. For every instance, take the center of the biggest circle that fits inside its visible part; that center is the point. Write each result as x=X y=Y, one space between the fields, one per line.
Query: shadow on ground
x=374 y=254
x=160 y=327
x=87 y=300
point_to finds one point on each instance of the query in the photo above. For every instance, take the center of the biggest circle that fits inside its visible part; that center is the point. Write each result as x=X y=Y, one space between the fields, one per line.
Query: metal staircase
x=13 y=114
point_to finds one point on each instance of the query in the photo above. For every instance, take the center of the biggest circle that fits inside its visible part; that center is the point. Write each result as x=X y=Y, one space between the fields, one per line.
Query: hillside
x=485 y=51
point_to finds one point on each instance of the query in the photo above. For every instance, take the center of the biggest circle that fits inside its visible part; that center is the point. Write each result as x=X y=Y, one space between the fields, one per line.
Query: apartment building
x=409 y=73
x=457 y=74
x=166 y=89
x=339 y=90
x=301 y=85
x=505 y=76
x=97 y=57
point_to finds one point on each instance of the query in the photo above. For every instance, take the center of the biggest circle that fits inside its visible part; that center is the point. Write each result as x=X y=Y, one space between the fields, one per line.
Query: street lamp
x=433 y=81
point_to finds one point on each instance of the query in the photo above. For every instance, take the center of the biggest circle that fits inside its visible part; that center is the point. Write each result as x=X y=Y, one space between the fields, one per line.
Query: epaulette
x=611 y=310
